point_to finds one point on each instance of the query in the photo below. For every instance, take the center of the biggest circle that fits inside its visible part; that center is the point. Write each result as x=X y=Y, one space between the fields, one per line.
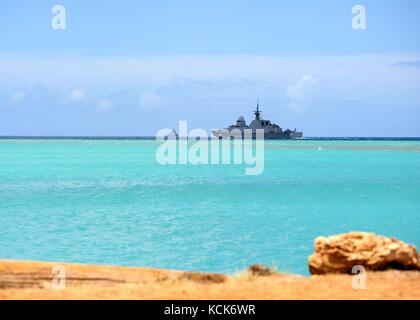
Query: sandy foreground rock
x=341 y=253
x=38 y=280
x=333 y=255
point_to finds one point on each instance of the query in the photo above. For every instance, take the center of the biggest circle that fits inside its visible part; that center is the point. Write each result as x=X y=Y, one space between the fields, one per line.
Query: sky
x=131 y=68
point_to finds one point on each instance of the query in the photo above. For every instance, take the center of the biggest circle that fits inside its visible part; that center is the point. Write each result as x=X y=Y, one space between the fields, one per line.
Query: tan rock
x=340 y=253
x=260 y=270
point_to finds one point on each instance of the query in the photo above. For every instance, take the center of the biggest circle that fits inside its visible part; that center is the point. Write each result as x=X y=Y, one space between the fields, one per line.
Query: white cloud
x=150 y=100
x=17 y=97
x=306 y=88
x=77 y=95
x=104 y=106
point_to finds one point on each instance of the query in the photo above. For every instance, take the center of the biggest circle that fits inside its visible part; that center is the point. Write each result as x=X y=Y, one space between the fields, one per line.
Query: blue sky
x=134 y=67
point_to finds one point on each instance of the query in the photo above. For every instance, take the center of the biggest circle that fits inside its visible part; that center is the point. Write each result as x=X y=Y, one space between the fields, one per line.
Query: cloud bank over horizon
x=294 y=90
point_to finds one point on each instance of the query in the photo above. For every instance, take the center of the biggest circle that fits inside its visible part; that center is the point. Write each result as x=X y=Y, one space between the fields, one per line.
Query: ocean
x=108 y=201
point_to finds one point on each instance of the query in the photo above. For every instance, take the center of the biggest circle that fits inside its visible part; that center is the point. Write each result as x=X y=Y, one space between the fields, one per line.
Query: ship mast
x=257 y=112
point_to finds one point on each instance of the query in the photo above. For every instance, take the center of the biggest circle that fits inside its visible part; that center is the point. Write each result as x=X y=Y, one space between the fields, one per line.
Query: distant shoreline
x=154 y=138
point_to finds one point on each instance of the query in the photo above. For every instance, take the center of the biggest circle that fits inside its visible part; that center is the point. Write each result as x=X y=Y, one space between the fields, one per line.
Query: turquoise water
x=110 y=202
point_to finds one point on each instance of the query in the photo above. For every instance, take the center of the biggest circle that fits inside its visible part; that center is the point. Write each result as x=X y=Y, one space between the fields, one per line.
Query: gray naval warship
x=271 y=130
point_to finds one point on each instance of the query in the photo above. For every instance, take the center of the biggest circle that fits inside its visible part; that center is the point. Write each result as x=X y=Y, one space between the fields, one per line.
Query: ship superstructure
x=271 y=130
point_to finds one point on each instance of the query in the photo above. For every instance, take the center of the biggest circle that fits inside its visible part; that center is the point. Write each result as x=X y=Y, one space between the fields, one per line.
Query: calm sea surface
x=110 y=202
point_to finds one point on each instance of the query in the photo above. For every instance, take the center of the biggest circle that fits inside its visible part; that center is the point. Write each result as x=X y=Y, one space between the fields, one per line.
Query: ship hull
x=293 y=135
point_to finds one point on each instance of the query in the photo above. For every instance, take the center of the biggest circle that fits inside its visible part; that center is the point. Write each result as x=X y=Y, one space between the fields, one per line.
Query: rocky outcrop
x=260 y=270
x=340 y=253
